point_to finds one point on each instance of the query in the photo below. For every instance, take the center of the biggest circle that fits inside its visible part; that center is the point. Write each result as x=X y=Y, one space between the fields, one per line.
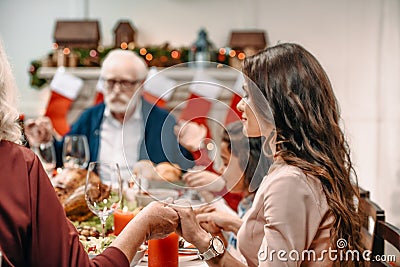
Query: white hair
x=9 y=128
x=127 y=57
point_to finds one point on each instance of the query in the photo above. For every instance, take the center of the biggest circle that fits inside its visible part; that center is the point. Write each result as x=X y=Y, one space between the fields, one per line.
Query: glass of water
x=47 y=155
x=75 y=152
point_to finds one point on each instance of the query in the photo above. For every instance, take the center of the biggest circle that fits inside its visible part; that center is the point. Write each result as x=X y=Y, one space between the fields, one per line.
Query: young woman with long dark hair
x=306 y=203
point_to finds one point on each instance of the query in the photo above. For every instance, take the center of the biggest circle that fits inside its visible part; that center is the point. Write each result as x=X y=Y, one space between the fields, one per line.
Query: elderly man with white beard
x=126 y=128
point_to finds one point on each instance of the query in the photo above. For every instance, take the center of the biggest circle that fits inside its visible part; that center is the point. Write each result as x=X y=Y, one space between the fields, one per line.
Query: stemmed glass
x=190 y=193
x=211 y=149
x=75 y=151
x=47 y=155
x=103 y=190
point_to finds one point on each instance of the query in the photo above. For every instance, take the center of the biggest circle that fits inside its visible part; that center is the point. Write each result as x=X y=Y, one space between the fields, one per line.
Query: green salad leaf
x=95 y=246
x=95 y=222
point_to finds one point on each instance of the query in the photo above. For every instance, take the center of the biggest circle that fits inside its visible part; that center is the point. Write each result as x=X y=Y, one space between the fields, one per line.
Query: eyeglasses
x=124 y=85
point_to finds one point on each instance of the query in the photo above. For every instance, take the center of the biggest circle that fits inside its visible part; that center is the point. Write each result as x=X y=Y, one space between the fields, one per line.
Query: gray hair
x=129 y=57
x=9 y=129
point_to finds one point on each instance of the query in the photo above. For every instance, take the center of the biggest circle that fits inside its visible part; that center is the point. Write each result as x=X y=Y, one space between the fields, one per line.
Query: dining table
x=185 y=260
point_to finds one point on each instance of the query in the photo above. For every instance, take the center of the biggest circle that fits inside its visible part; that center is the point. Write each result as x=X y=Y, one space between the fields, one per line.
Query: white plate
x=182 y=258
x=188 y=251
x=185 y=258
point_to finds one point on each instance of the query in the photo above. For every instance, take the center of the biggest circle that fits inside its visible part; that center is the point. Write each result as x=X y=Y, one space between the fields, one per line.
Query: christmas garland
x=159 y=56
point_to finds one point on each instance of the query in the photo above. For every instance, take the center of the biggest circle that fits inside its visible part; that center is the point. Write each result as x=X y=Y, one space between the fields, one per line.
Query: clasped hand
x=162 y=218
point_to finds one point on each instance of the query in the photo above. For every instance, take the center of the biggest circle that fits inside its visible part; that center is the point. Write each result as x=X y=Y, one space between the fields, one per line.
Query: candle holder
x=121 y=219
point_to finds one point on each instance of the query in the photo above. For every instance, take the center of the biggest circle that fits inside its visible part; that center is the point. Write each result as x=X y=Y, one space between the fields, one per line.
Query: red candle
x=164 y=252
x=121 y=219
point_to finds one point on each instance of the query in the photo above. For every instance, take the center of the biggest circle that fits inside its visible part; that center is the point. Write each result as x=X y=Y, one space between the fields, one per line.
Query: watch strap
x=210 y=252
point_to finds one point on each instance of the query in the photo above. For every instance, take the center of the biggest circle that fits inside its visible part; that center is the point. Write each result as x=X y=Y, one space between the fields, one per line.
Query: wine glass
x=75 y=151
x=209 y=147
x=47 y=156
x=190 y=193
x=103 y=190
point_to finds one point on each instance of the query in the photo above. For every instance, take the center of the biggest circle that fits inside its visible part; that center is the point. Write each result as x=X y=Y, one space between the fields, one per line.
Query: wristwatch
x=215 y=249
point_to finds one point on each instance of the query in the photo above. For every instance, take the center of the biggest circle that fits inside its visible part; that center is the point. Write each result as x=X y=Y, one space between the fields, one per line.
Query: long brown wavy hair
x=308 y=135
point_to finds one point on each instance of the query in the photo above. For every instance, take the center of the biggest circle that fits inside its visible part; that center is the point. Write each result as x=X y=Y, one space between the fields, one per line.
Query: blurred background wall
x=357 y=41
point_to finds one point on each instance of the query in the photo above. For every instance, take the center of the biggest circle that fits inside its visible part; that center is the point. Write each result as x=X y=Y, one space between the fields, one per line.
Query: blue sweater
x=159 y=143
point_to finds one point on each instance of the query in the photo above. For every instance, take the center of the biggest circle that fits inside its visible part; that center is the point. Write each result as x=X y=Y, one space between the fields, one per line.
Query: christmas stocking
x=64 y=90
x=233 y=114
x=99 y=97
x=158 y=88
x=204 y=91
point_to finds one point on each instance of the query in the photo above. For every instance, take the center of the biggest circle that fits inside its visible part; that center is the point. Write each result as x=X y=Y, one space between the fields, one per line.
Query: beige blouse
x=288 y=222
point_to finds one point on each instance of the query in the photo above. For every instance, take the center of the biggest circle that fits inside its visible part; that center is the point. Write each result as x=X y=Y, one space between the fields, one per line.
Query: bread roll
x=168 y=171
